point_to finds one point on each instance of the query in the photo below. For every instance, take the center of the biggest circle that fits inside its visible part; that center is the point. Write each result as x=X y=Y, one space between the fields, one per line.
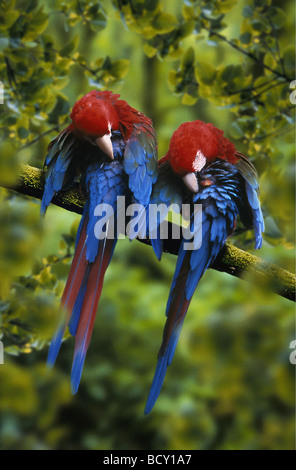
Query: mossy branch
x=231 y=260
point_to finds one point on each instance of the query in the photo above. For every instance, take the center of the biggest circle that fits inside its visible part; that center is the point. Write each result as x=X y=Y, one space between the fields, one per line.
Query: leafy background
x=231 y=384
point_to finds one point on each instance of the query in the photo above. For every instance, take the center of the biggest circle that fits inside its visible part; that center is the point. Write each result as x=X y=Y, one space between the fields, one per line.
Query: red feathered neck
x=197 y=136
x=128 y=117
x=95 y=112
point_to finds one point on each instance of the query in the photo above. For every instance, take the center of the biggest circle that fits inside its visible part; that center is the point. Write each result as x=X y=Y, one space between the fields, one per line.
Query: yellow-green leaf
x=205 y=72
x=164 y=22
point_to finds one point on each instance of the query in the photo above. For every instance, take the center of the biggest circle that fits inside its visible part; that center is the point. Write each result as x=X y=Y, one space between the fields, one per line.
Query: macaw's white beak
x=105 y=144
x=191 y=182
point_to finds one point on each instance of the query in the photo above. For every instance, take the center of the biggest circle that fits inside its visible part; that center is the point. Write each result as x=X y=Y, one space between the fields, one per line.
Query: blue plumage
x=224 y=193
x=112 y=149
x=60 y=162
x=103 y=182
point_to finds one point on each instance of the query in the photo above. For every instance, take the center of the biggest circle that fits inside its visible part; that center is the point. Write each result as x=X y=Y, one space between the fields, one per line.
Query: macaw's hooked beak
x=191 y=182
x=105 y=144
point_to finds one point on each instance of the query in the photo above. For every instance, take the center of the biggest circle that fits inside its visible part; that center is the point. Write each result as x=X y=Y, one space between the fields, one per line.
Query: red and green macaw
x=113 y=148
x=201 y=167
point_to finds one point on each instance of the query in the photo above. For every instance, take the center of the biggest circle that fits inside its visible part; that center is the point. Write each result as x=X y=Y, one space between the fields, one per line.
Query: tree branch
x=248 y=54
x=231 y=260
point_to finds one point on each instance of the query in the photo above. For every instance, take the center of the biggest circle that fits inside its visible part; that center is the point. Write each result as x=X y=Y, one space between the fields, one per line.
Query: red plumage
x=193 y=137
x=92 y=295
x=95 y=112
x=76 y=273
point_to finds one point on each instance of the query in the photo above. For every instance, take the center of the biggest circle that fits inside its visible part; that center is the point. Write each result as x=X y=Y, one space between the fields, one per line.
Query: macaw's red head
x=94 y=117
x=193 y=145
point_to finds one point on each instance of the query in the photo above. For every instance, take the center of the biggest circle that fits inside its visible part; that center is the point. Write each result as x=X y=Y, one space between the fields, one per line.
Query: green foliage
x=36 y=64
x=90 y=13
x=231 y=383
x=146 y=17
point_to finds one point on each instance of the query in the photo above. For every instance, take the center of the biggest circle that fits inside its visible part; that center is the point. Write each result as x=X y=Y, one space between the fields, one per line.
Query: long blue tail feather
x=218 y=218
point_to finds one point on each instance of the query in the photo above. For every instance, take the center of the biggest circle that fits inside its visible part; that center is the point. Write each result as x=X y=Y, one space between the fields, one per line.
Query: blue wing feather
x=217 y=224
x=140 y=162
x=167 y=191
x=250 y=176
x=58 y=161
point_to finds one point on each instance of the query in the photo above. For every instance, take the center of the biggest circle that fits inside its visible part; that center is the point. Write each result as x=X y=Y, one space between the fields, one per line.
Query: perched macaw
x=114 y=150
x=201 y=167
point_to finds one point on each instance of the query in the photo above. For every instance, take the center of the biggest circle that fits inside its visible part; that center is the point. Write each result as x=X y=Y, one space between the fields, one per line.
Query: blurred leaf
x=289 y=60
x=188 y=58
x=164 y=22
x=277 y=17
x=205 y=72
x=248 y=11
x=7 y=19
x=70 y=47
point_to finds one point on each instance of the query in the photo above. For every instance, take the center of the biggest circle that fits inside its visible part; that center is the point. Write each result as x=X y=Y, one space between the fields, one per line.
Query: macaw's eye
x=206 y=182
